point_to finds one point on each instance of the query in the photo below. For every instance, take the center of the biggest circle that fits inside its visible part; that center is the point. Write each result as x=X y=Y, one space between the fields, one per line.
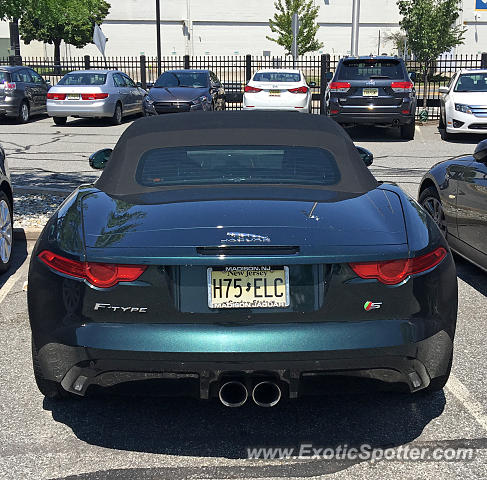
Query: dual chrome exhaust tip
x=234 y=393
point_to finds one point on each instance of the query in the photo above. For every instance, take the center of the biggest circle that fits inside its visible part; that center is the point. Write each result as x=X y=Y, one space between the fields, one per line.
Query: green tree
x=10 y=9
x=282 y=21
x=431 y=30
x=54 y=21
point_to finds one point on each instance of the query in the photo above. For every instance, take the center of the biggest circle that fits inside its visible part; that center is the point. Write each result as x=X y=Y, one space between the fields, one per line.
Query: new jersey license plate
x=248 y=287
x=370 y=92
x=72 y=96
x=275 y=93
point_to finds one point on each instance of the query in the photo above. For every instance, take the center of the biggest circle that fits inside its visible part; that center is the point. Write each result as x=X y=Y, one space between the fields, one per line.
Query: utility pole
x=16 y=59
x=295 y=30
x=158 y=26
x=355 y=27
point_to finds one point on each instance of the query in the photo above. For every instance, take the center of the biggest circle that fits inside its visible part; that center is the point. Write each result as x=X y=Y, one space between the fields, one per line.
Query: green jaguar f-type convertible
x=245 y=256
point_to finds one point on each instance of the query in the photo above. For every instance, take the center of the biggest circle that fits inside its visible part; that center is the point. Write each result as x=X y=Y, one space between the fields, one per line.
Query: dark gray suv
x=373 y=90
x=23 y=93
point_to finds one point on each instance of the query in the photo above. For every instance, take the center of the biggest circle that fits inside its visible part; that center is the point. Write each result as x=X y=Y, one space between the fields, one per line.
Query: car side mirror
x=443 y=90
x=138 y=84
x=150 y=85
x=99 y=159
x=412 y=76
x=480 y=153
x=366 y=156
x=328 y=76
x=312 y=84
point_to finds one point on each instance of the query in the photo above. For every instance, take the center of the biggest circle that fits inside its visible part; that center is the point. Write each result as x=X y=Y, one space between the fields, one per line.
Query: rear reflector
x=402 y=86
x=56 y=96
x=405 y=112
x=93 y=96
x=102 y=275
x=302 y=89
x=333 y=112
x=339 y=86
x=249 y=89
x=392 y=272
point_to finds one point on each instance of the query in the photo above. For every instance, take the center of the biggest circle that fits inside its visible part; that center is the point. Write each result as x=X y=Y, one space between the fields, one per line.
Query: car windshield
x=182 y=79
x=472 y=82
x=237 y=164
x=83 y=78
x=277 y=77
x=373 y=68
x=4 y=77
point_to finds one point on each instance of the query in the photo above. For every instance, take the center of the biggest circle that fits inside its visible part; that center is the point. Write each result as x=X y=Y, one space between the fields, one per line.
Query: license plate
x=275 y=93
x=248 y=287
x=370 y=92
x=72 y=96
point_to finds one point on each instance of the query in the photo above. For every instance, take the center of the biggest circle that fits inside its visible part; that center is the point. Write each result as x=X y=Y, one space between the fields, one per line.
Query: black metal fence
x=235 y=71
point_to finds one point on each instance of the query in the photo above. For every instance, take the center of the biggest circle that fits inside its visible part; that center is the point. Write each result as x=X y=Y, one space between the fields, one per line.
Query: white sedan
x=463 y=104
x=278 y=89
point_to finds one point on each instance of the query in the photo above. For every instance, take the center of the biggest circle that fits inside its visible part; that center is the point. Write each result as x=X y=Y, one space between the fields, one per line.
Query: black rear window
x=83 y=79
x=367 y=69
x=4 y=77
x=237 y=165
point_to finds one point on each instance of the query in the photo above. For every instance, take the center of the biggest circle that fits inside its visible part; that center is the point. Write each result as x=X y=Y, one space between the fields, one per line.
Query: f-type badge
x=237 y=237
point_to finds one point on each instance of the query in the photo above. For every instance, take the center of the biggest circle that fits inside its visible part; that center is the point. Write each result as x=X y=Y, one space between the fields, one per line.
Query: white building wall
x=236 y=27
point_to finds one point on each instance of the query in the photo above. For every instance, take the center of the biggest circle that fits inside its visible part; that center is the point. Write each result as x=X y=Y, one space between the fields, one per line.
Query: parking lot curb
x=62 y=192
x=29 y=234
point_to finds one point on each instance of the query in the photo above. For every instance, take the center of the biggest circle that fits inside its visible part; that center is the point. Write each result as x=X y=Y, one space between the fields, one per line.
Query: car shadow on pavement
x=472 y=139
x=375 y=134
x=189 y=427
x=471 y=274
x=19 y=254
x=94 y=122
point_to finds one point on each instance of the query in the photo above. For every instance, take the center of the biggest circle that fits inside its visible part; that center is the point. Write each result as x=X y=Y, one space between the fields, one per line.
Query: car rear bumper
x=9 y=105
x=404 y=352
x=373 y=118
x=80 y=108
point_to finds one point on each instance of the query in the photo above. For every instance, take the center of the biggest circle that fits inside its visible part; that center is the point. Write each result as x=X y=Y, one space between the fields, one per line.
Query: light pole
x=158 y=26
x=355 y=27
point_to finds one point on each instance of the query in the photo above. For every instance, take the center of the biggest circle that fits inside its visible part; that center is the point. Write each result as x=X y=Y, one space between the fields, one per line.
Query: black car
x=240 y=256
x=454 y=192
x=185 y=91
x=6 y=214
x=23 y=93
x=372 y=91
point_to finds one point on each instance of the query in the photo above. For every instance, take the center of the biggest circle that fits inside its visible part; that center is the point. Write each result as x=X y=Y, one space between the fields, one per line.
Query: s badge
x=368 y=305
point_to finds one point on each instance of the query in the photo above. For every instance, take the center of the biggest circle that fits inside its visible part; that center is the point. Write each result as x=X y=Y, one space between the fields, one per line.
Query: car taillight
x=302 y=89
x=93 y=96
x=340 y=86
x=102 y=275
x=249 y=89
x=10 y=85
x=402 y=86
x=392 y=272
x=56 y=96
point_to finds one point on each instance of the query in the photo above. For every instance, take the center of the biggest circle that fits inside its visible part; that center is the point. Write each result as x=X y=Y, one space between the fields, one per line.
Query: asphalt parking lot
x=146 y=437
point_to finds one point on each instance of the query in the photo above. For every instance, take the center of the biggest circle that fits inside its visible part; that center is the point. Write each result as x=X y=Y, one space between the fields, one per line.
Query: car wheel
x=24 y=112
x=441 y=123
x=48 y=388
x=117 y=115
x=430 y=201
x=60 y=120
x=438 y=383
x=6 y=233
x=407 y=130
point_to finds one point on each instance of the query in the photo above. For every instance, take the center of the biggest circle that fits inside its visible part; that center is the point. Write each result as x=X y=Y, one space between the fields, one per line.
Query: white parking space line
x=4 y=291
x=461 y=393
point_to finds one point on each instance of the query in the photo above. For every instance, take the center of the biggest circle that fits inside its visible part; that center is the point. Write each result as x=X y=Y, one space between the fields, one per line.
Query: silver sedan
x=95 y=94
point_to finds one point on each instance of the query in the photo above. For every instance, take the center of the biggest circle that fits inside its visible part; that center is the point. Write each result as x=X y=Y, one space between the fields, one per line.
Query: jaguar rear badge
x=368 y=305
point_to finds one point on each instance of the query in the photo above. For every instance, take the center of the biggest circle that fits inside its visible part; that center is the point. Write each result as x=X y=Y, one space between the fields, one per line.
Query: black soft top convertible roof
x=231 y=128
